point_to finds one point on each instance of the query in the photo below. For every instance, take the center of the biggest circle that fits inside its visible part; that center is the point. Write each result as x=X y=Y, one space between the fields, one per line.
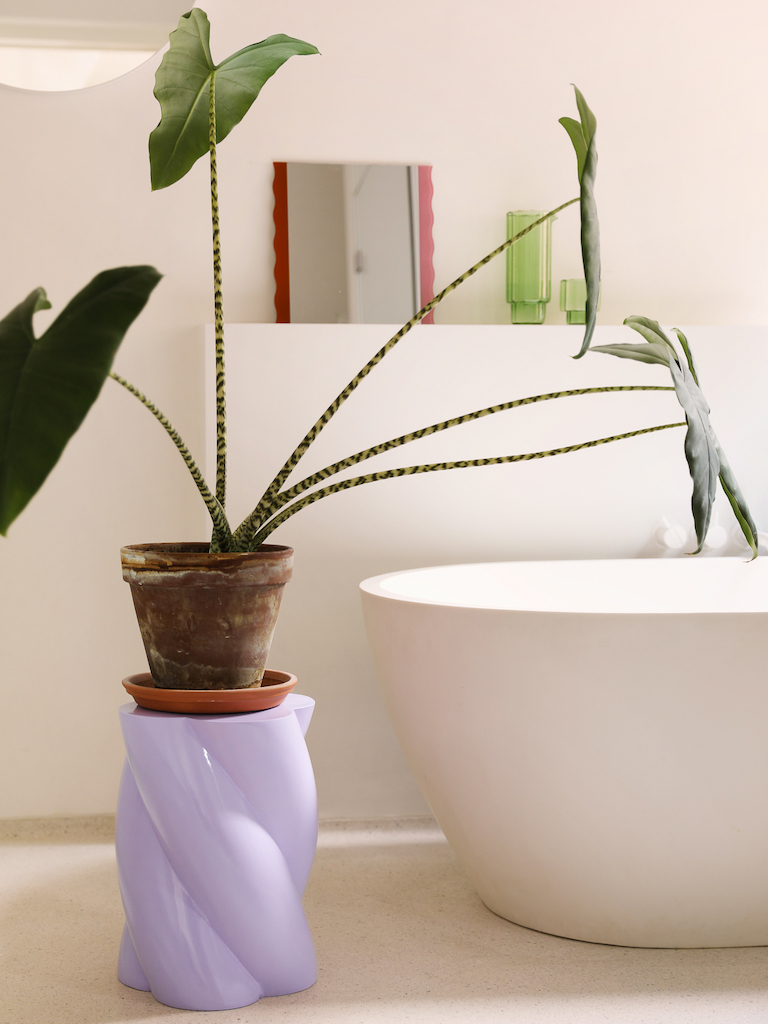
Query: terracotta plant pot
x=207 y=620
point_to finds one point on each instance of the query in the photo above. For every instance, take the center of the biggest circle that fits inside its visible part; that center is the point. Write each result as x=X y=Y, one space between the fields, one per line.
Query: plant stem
x=282 y=476
x=250 y=526
x=388 y=474
x=221 y=526
x=218 y=307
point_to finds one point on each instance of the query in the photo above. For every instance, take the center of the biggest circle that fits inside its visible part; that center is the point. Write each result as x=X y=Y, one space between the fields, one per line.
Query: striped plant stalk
x=267 y=516
x=218 y=307
x=389 y=474
x=337 y=467
x=260 y=523
x=220 y=524
x=333 y=408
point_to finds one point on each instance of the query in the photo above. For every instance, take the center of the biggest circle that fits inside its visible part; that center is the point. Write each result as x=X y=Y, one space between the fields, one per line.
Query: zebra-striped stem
x=218 y=308
x=282 y=476
x=251 y=525
x=221 y=526
x=388 y=474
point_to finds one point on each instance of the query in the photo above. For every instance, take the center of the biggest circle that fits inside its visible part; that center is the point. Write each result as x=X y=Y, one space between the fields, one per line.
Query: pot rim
x=271 y=563
x=195 y=553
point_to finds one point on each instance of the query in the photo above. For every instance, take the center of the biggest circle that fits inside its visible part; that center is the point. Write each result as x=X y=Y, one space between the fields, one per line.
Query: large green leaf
x=706 y=460
x=582 y=135
x=48 y=384
x=183 y=86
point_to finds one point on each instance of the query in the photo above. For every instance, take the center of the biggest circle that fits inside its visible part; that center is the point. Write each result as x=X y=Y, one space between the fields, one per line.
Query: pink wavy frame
x=426 y=241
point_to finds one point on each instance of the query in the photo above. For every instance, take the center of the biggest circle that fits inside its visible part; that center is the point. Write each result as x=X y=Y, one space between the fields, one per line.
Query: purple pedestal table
x=216 y=831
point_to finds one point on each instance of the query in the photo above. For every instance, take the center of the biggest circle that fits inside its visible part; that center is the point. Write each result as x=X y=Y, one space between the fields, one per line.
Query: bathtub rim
x=376 y=586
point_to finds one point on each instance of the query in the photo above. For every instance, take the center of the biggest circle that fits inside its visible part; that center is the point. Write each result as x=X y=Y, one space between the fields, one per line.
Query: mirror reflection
x=353 y=242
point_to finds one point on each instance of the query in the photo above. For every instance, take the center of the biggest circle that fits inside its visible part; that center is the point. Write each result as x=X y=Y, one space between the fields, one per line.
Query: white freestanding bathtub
x=592 y=736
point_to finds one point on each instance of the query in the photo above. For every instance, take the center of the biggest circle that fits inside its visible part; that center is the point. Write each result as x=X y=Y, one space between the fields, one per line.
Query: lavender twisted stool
x=216 y=832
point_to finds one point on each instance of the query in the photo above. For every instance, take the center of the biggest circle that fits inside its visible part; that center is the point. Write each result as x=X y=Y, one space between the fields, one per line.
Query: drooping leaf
x=727 y=478
x=656 y=349
x=700 y=445
x=182 y=87
x=644 y=353
x=700 y=448
x=48 y=384
x=738 y=503
x=705 y=457
x=582 y=136
x=651 y=331
x=688 y=353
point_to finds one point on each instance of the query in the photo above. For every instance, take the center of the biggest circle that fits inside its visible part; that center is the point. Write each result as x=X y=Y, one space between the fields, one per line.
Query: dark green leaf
x=48 y=384
x=182 y=87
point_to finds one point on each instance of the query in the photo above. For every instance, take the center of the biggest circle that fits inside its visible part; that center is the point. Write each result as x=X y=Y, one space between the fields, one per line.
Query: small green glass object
x=573 y=299
x=529 y=267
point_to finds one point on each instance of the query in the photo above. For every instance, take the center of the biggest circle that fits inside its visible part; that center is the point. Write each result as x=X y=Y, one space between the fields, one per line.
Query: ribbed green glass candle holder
x=573 y=299
x=529 y=267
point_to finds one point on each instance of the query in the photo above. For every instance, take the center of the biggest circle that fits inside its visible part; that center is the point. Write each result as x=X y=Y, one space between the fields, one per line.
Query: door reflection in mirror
x=353 y=242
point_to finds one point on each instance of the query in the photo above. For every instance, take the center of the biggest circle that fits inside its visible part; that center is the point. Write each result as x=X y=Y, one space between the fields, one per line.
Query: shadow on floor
x=391 y=926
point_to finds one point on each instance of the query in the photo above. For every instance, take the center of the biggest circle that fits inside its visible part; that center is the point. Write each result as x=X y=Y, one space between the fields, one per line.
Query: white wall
x=679 y=89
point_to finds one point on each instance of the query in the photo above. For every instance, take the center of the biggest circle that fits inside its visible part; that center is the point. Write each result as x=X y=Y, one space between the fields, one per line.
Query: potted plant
x=207 y=611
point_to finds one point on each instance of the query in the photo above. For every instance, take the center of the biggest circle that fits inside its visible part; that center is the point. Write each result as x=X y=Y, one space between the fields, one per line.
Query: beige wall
x=679 y=89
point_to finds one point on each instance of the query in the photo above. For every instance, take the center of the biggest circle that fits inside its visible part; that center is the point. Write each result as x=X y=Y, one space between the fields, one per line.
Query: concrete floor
x=400 y=936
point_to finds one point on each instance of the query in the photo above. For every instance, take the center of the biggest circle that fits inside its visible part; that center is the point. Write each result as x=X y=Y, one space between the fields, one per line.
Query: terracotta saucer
x=274 y=689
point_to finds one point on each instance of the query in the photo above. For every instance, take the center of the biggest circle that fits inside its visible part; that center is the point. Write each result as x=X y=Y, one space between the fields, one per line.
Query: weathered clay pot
x=207 y=620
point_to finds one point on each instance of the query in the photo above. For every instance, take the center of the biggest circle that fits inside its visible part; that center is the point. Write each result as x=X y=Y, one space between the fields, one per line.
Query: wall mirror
x=353 y=242
x=50 y=46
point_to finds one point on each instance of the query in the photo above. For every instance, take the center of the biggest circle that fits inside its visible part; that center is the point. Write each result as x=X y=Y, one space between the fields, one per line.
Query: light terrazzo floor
x=400 y=936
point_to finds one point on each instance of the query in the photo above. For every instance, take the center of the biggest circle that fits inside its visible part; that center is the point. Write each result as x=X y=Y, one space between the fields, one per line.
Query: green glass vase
x=529 y=267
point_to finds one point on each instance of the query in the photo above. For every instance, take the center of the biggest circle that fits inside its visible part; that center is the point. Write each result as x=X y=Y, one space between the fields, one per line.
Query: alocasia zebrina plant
x=201 y=102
